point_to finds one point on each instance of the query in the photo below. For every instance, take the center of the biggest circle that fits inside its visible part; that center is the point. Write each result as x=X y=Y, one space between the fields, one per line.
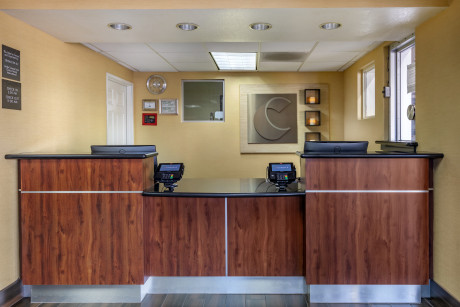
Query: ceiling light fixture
x=330 y=25
x=119 y=26
x=235 y=60
x=260 y=26
x=187 y=26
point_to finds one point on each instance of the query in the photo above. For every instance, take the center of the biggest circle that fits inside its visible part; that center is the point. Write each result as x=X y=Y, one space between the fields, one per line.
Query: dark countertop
x=228 y=187
x=371 y=154
x=130 y=155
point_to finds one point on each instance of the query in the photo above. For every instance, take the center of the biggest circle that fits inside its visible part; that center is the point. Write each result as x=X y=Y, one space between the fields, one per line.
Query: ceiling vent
x=283 y=56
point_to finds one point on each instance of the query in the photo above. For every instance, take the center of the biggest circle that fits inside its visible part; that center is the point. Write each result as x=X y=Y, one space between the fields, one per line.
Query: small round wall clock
x=156 y=84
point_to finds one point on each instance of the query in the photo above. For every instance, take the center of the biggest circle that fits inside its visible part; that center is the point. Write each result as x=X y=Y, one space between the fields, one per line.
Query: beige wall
x=370 y=129
x=438 y=129
x=213 y=149
x=63 y=109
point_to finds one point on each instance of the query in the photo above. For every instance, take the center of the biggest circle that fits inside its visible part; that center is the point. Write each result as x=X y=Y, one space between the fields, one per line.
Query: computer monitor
x=336 y=146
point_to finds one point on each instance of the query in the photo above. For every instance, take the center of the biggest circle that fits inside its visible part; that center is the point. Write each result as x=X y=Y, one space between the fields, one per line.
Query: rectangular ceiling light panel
x=235 y=61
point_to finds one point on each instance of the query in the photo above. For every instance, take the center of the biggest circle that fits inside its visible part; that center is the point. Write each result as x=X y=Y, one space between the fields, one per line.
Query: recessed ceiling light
x=330 y=25
x=186 y=26
x=235 y=60
x=120 y=26
x=260 y=26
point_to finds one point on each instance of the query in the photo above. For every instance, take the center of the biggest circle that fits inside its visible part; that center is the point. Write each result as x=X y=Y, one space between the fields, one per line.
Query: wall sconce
x=312 y=118
x=312 y=96
x=312 y=136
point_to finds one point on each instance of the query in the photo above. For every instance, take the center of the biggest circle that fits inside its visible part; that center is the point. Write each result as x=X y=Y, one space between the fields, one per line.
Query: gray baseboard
x=438 y=293
x=365 y=294
x=12 y=292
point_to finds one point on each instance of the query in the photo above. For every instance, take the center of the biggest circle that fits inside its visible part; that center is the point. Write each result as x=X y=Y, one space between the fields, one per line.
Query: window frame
x=395 y=112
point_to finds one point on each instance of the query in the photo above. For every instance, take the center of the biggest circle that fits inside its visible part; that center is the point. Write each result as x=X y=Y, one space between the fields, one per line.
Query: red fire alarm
x=149 y=119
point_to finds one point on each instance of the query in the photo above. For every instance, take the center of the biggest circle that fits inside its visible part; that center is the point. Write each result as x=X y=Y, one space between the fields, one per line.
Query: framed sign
x=168 y=106
x=11 y=95
x=11 y=63
x=150 y=104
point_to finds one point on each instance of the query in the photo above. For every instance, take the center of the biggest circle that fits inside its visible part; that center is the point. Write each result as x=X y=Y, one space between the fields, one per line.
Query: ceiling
x=155 y=44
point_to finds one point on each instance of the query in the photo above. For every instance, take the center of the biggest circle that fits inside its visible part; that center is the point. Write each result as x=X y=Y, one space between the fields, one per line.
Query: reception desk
x=368 y=225
x=351 y=223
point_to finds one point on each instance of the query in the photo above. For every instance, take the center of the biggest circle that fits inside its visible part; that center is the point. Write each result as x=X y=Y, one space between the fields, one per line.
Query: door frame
x=129 y=107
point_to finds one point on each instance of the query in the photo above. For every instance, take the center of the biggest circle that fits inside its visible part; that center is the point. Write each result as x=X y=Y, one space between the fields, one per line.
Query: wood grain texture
x=149 y=170
x=82 y=239
x=367 y=238
x=84 y=174
x=184 y=236
x=266 y=236
x=367 y=174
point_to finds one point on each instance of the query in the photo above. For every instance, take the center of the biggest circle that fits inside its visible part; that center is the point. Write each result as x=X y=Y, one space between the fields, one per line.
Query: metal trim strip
x=81 y=192
x=226 y=239
x=366 y=191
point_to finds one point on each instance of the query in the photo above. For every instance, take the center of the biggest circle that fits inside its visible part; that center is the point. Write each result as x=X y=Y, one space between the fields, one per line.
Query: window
x=402 y=84
x=368 y=86
x=203 y=100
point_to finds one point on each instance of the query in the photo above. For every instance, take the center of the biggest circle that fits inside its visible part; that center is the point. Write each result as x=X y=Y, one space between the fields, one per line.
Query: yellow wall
x=370 y=129
x=213 y=149
x=438 y=129
x=63 y=110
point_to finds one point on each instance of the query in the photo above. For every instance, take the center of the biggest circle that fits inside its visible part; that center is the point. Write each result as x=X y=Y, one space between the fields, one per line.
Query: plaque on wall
x=11 y=95
x=11 y=63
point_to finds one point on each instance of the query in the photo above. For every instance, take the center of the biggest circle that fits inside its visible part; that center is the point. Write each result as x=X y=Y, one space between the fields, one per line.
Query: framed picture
x=168 y=106
x=150 y=105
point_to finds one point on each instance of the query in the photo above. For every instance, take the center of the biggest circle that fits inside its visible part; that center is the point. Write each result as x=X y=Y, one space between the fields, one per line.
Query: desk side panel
x=184 y=236
x=367 y=174
x=82 y=239
x=84 y=174
x=266 y=236
x=367 y=238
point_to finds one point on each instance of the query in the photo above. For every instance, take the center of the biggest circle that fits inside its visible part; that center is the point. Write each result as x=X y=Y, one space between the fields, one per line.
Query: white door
x=119 y=111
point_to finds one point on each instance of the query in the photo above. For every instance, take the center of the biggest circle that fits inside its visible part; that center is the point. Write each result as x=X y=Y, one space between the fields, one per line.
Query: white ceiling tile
x=286 y=46
x=189 y=57
x=122 y=47
x=146 y=67
x=178 y=47
x=143 y=61
x=195 y=66
x=324 y=56
x=232 y=47
x=278 y=66
x=137 y=56
x=322 y=66
x=344 y=46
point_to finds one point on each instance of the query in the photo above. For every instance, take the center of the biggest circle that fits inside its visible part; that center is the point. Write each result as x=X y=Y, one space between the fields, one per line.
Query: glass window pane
x=203 y=100
x=407 y=95
x=369 y=92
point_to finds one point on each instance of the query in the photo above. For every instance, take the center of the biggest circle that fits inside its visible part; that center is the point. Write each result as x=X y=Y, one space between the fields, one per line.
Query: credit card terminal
x=169 y=173
x=281 y=174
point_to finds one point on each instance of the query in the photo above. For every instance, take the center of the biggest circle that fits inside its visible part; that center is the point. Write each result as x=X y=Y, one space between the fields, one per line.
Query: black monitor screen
x=281 y=168
x=169 y=167
x=336 y=146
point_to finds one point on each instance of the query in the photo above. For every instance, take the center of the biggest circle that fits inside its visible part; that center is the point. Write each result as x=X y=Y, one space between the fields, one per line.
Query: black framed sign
x=11 y=63
x=11 y=95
